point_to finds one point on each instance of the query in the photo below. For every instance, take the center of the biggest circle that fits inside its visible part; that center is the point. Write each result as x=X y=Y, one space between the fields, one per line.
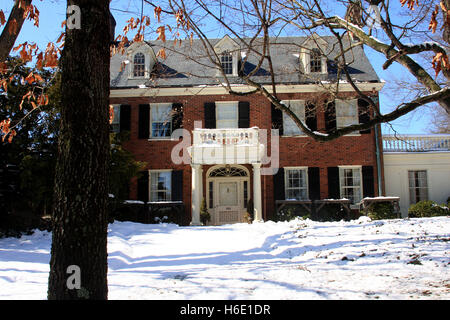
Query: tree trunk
x=80 y=208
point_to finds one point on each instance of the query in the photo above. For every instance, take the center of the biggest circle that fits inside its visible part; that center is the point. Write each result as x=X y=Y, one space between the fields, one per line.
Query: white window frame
x=152 y=105
x=144 y=65
x=149 y=55
x=305 y=61
x=150 y=185
x=287 y=120
x=426 y=187
x=236 y=119
x=115 y=124
x=342 y=180
x=319 y=59
x=286 y=182
x=228 y=55
x=346 y=119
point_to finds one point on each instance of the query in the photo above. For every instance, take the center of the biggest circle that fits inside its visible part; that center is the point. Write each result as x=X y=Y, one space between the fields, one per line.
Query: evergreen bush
x=427 y=208
x=382 y=210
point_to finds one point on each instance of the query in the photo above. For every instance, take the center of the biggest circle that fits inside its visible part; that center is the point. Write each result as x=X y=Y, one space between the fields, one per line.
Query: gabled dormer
x=229 y=54
x=141 y=60
x=313 y=58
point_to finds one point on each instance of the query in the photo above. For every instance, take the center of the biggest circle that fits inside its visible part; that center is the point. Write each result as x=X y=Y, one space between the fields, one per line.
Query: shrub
x=291 y=212
x=427 y=208
x=382 y=210
x=205 y=217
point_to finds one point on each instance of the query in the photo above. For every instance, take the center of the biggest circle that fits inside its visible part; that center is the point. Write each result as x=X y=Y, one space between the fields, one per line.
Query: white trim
x=220 y=90
x=359 y=167
x=236 y=104
x=150 y=171
x=150 y=134
x=306 y=180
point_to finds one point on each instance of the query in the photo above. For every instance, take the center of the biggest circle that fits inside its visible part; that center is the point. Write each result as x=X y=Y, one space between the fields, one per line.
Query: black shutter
x=277 y=120
x=278 y=185
x=142 y=186
x=314 y=183
x=177 y=118
x=177 y=185
x=210 y=115
x=333 y=183
x=144 y=121
x=368 y=181
x=244 y=114
x=364 y=114
x=125 y=117
x=311 y=116
x=330 y=117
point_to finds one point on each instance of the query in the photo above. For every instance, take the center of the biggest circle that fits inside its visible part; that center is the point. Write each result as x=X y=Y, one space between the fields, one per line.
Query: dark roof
x=188 y=65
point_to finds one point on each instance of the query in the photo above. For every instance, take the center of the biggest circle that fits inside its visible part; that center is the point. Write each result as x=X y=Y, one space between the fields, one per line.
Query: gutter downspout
x=378 y=155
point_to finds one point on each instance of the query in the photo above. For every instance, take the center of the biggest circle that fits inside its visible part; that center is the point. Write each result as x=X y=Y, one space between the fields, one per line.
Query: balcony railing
x=225 y=137
x=416 y=143
x=220 y=146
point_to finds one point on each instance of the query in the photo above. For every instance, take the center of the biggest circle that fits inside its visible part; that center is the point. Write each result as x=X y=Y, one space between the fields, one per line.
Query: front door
x=228 y=209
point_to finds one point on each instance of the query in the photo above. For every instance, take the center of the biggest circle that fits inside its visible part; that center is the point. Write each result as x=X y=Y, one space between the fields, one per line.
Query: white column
x=197 y=194
x=257 y=204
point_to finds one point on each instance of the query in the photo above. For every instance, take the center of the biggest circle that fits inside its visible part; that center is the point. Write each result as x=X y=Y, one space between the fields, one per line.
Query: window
x=346 y=112
x=296 y=183
x=160 y=186
x=139 y=65
x=115 y=124
x=315 y=60
x=226 y=60
x=227 y=115
x=289 y=126
x=350 y=182
x=161 y=120
x=418 y=186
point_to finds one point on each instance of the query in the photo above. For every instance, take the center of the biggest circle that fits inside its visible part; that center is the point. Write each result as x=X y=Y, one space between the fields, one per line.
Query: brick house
x=228 y=153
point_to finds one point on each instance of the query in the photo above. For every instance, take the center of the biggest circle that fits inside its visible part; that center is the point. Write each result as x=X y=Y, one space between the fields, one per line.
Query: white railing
x=225 y=137
x=416 y=143
x=226 y=146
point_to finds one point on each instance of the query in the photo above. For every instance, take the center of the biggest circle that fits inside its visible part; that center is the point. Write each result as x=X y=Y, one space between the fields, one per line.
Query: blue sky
x=52 y=13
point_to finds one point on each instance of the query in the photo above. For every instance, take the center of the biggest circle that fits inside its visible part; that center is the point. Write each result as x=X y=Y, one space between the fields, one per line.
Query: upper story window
x=290 y=128
x=226 y=60
x=115 y=124
x=313 y=55
x=139 y=65
x=315 y=60
x=346 y=112
x=161 y=120
x=227 y=115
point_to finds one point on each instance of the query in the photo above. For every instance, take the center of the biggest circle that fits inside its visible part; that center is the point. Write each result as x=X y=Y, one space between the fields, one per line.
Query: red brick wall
x=294 y=151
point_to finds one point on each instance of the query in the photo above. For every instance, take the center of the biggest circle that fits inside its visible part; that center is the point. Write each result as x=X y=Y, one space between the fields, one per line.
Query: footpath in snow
x=300 y=259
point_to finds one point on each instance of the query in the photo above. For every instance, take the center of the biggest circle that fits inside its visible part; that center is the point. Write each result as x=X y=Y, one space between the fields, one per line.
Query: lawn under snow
x=361 y=259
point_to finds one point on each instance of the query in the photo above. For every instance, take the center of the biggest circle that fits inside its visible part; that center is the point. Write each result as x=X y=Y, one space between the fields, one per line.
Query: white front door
x=228 y=207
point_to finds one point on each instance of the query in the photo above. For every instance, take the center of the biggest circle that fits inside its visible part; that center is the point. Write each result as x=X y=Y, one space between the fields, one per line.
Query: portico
x=228 y=188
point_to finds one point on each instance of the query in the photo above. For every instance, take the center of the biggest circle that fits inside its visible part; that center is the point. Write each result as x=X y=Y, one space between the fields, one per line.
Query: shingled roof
x=188 y=65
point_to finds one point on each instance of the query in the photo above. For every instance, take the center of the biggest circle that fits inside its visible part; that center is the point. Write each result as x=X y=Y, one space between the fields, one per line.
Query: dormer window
x=313 y=55
x=228 y=54
x=315 y=60
x=226 y=60
x=139 y=65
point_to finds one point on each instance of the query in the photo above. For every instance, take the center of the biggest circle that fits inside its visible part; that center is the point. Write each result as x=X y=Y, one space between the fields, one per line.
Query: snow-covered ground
x=361 y=259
